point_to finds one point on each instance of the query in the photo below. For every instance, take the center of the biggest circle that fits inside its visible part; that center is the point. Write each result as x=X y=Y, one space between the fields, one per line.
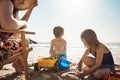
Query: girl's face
x=85 y=43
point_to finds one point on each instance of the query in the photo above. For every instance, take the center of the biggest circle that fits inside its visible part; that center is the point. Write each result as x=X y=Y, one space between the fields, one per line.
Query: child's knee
x=97 y=75
x=89 y=61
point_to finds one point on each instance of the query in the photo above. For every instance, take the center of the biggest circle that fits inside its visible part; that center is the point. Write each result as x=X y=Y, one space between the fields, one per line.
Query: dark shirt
x=107 y=58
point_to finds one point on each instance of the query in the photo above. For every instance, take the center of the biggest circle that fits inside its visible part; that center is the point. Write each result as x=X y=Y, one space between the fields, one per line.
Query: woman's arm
x=29 y=11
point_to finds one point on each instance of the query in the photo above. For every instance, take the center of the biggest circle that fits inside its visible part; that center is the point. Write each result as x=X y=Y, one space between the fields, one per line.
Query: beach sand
x=8 y=72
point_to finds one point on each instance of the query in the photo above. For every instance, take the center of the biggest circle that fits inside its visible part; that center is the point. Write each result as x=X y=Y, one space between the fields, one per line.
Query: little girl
x=101 y=63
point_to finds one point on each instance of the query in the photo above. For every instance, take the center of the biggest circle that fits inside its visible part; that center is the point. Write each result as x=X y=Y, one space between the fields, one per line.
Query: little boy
x=58 y=45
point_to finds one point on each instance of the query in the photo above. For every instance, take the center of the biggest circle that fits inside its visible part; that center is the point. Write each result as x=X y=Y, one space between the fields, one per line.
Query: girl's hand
x=79 y=68
x=81 y=75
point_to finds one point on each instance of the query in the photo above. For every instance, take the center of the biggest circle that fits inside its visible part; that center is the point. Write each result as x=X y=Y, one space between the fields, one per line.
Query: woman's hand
x=33 y=4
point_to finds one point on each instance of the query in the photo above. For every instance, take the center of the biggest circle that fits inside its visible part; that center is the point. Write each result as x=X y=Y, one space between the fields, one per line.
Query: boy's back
x=59 y=46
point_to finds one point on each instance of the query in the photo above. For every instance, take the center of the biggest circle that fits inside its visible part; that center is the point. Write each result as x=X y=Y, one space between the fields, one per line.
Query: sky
x=103 y=16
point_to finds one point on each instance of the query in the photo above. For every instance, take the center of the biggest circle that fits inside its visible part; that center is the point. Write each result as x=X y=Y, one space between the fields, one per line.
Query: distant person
x=58 y=44
x=101 y=63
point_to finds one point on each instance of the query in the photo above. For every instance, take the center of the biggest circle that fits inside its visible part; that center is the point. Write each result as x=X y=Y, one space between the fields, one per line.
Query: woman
x=18 y=6
x=10 y=11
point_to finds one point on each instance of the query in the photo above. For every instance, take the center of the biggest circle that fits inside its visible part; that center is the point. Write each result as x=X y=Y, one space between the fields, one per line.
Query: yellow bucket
x=46 y=62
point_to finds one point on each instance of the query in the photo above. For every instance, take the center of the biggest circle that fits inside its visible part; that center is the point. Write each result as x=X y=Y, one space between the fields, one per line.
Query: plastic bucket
x=44 y=62
x=64 y=64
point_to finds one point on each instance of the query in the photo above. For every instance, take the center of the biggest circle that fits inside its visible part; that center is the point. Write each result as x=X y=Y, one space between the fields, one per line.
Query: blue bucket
x=64 y=64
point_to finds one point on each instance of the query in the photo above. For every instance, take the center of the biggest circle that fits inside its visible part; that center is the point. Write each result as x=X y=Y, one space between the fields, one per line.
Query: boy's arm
x=51 y=49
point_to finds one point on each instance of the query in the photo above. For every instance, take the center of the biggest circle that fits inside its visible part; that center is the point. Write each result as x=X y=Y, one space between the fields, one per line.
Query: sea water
x=74 y=51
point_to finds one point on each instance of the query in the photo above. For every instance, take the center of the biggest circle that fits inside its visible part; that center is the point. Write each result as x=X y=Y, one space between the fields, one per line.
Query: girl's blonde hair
x=91 y=38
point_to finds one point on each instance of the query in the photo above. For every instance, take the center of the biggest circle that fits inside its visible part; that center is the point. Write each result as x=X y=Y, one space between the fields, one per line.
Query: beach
x=74 y=53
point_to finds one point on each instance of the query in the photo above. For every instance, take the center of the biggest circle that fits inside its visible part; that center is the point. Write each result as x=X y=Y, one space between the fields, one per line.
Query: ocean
x=74 y=51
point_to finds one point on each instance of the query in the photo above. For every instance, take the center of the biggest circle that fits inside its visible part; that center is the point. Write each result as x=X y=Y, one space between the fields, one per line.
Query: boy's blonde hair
x=58 y=31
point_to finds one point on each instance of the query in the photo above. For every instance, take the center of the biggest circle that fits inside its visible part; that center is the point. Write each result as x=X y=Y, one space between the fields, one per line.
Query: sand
x=8 y=72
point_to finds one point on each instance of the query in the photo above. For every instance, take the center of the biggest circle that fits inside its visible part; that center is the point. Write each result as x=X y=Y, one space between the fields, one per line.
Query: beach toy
x=46 y=62
x=64 y=64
